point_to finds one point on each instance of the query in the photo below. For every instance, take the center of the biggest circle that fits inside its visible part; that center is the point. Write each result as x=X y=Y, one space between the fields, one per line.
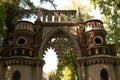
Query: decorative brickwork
x=60 y=30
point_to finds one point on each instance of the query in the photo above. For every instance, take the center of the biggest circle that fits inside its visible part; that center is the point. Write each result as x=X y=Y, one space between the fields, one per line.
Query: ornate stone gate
x=59 y=29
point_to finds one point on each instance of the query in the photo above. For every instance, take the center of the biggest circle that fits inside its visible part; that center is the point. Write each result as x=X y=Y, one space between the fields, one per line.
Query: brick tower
x=99 y=60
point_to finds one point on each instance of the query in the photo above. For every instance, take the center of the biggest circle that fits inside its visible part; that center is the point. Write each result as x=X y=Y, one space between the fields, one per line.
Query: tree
x=16 y=10
x=53 y=76
x=67 y=74
x=82 y=10
x=13 y=10
x=68 y=63
x=111 y=11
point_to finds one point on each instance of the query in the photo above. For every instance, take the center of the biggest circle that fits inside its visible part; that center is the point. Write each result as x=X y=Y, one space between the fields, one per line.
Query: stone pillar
x=56 y=16
x=117 y=69
x=39 y=70
x=69 y=17
x=81 y=71
x=44 y=16
x=49 y=17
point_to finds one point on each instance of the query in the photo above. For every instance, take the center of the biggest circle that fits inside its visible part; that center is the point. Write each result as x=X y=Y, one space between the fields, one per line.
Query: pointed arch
x=68 y=34
x=104 y=74
x=16 y=75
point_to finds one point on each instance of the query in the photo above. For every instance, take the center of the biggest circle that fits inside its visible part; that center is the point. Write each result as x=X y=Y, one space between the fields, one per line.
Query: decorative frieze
x=24 y=61
x=97 y=60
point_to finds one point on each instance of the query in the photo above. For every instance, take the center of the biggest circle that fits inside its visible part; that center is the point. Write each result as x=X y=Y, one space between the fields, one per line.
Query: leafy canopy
x=111 y=11
x=13 y=10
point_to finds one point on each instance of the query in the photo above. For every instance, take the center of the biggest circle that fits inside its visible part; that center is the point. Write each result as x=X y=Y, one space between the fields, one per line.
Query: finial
x=79 y=14
x=39 y=14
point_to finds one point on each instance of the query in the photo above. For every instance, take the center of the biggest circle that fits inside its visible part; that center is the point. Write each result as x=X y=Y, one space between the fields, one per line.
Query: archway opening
x=64 y=50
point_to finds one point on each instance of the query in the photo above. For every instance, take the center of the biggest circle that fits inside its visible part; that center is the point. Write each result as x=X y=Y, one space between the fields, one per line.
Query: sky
x=50 y=61
x=61 y=3
x=51 y=57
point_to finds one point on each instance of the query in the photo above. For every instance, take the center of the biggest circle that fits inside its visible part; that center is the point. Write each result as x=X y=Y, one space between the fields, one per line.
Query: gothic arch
x=68 y=34
x=104 y=74
x=16 y=75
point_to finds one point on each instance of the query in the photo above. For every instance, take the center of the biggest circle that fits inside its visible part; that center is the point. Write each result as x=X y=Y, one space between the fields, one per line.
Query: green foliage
x=14 y=13
x=68 y=65
x=111 y=11
x=53 y=76
x=14 y=10
x=67 y=73
x=83 y=9
x=10 y=12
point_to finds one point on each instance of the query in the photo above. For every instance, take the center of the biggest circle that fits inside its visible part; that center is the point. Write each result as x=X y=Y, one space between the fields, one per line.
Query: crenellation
x=58 y=16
